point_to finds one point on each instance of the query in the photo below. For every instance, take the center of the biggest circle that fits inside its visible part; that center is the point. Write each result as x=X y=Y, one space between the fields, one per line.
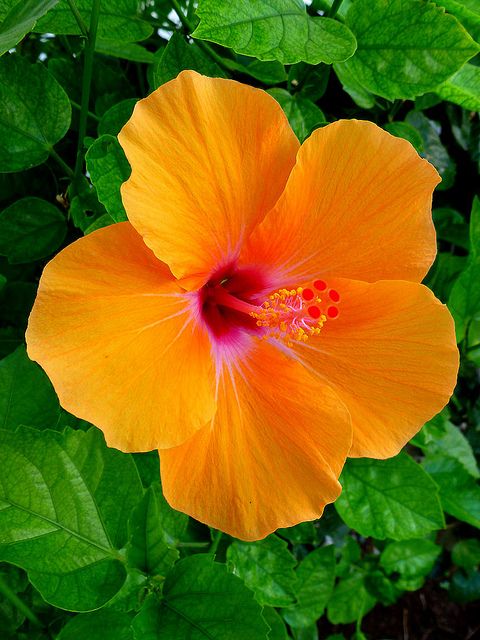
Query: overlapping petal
x=209 y=158
x=357 y=205
x=115 y=334
x=391 y=356
x=272 y=455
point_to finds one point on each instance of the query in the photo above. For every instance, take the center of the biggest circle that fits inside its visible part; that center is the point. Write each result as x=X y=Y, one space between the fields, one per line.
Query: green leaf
x=31 y=229
x=363 y=98
x=463 y=88
x=113 y=120
x=85 y=207
x=407 y=132
x=467 y=12
x=450 y=226
x=405 y=47
x=35 y=113
x=266 y=567
x=278 y=631
x=124 y=50
x=459 y=492
x=466 y=553
x=20 y=20
x=108 y=168
x=350 y=600
x=410 y=558
x=26 y=394
x=464 y=299
x=179 y=55
x=433 y=149
x=267 y=72
x=303 y=115
x=98 y=625
x=118 y=21
x=391 y=498
x=147 y=549
x=382 y=588
x=465 y=587
x=274 y=30
x=64 y=503
x=315 y=580
x=451 y=442
x=201 y=600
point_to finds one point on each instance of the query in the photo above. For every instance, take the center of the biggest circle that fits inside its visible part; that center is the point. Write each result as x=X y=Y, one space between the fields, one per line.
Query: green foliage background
x=89 y=548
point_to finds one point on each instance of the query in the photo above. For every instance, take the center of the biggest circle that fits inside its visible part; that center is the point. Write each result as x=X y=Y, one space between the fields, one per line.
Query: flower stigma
x=294 y=315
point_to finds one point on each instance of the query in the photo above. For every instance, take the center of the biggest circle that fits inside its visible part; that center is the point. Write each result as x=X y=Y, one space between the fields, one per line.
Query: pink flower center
x=240 y=300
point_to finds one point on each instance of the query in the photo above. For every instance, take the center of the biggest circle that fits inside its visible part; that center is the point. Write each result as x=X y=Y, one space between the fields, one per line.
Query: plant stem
x=18 y=603
x=335 y=7
x=61 y=162
x=216 y=541
x=78 y=17
x=86 y=83
x=182 y=17
x=89 y=113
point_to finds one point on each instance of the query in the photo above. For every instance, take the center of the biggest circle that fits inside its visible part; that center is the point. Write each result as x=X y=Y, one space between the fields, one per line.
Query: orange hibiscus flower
x=260 y=316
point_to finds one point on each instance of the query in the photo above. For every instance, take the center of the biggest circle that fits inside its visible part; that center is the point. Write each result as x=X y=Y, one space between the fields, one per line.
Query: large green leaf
x=315 y=580
x=119 y=20
x=201 y=600
x=20 y=20
x=303 y=115
x=147 y=549
x=108 y=168
x=64 y=504
x=31 y=229
x=467 y=12
x=266 y=567
x=26 y=394
x=274 y=30
x=98 y=625
x=405 y=47
x=463 y=88
x=35 y=113
x=410 y=558
x=391 y=498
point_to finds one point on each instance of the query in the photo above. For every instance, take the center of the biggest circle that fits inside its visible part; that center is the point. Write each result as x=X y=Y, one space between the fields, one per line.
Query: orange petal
x=117 y=340
x=391 y=356
x=271 y=457
x=209 y=158
x=357 y=205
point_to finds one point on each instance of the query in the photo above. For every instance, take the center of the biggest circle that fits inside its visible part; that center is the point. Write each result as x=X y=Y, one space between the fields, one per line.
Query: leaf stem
x=335 y=7
x=86 y=83
x=61 y=162
x=18 y=603
x=89 y=113
x=78 y=17
x=216 y=541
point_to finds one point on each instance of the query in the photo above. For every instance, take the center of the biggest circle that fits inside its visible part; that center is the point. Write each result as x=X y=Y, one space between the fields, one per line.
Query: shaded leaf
x=410 y=558
x=303 y=115
x=98 y=625
x=20 y=20
x=35 y=113
x=26 y=394
x=350 y=600
x=31 y=229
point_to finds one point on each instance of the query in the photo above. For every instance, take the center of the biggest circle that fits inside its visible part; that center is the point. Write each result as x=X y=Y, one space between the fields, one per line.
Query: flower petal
x=117 y=339
x=271 y=457
x=357 y=205
x=209 y=158
x=391 y=356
